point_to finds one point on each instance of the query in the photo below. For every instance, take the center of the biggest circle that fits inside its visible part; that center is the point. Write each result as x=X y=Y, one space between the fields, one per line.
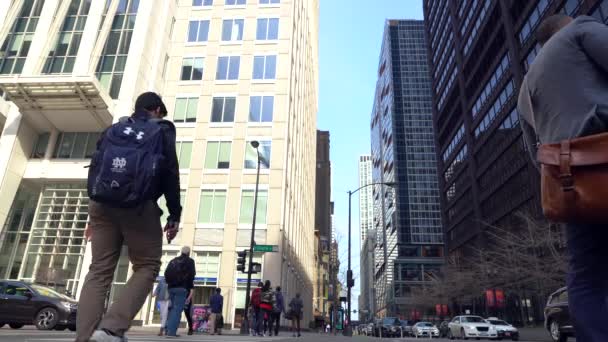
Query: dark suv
x=557 y=316
x=23 y=304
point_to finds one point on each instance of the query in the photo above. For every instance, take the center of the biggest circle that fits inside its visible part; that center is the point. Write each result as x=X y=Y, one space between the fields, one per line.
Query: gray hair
x=186 y=250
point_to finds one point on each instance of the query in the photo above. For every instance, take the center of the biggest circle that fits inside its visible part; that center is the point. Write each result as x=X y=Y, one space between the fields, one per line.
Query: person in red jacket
x=256 y=295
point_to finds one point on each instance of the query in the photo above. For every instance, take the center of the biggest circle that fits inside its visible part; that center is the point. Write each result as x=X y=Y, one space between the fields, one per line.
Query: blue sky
x=350 y=38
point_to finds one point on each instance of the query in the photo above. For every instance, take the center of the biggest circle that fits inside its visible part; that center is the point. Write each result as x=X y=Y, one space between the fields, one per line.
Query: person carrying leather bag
x=563 y=104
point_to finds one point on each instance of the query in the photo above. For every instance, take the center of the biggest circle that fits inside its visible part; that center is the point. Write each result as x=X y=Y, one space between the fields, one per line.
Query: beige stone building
x=230 y=72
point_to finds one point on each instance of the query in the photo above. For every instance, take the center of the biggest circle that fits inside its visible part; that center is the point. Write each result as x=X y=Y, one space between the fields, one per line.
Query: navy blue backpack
x=126 y=168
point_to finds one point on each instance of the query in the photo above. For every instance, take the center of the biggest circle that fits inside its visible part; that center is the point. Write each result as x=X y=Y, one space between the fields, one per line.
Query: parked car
x=368 y=329
x=425 y=329
x=504 y=329
x=24 y=304
x=465 y=327
x=407 y=327
x=557 y=316
x=388 y=327
x=443 y=328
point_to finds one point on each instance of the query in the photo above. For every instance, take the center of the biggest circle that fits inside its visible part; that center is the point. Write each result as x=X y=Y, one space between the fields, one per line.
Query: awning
x=67 y=103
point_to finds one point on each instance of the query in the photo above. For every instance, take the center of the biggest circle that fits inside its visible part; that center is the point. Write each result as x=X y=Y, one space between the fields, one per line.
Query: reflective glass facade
x=403 y=151
x=487 y=174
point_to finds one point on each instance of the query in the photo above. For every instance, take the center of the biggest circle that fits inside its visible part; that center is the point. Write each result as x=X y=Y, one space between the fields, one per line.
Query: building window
x=232 y=30
x=264 y=67
x=269 y=2
x=184 y=153
x=212 y=207
x=228 y=68
x=198 y=31
x=192 y=69
x=185 y=109
x=76 y=145
x=199 y=3
x=223 y=109
x=268 y=29
x=113 y=58
x=251 y=157
x=261 y=108
x=533 y=19
x=218 y=155
x=61 y=59
x=16 y=46
x=601 y=12
x=236 y=2
x=207 y=266
x=247 y=198
x=41 y=145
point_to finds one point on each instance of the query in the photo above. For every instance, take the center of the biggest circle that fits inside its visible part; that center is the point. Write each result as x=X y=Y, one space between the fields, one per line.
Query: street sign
x=266 y=248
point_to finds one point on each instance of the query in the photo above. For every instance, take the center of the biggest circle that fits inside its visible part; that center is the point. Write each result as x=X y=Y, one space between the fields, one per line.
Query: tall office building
x=366 y=203
x=230 y=72
x=366 y=226
x=479 y=52
x=407 y=217
x=323 y=213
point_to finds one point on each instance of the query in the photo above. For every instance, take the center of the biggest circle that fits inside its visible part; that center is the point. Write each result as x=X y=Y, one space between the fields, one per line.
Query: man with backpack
x=257 y=313
x=135 y=163
x=295 y=311
x=179 y=275
x=215 y=320
x=277 y=309
x=563 y=104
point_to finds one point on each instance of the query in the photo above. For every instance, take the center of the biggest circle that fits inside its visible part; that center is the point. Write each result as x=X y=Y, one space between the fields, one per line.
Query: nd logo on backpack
x=125 y=171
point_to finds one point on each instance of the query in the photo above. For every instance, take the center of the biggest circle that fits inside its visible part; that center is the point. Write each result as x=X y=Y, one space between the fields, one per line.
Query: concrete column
x=50 y=147
x=89 y=37
x=41 y=38
x=132 y=80
x=9 y=179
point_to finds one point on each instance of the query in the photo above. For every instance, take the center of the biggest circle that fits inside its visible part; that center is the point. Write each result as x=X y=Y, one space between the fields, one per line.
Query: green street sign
x=265 y=248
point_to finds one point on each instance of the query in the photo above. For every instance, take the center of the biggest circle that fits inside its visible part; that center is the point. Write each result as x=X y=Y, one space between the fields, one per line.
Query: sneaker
x=173 y=336
x=103 y=336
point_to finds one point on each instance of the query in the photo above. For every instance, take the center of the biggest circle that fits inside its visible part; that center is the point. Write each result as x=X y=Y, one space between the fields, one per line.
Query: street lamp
x=350 y=282
x=245 y=324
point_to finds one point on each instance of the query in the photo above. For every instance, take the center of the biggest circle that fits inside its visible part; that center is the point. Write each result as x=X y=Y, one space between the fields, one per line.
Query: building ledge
x=56 y=169
x=65 y=103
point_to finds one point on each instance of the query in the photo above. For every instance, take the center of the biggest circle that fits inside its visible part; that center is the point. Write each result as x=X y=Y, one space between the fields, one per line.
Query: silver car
x=425 y=329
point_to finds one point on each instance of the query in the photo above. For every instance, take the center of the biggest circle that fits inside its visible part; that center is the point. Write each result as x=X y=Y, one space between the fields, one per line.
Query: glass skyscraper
x=407 y=218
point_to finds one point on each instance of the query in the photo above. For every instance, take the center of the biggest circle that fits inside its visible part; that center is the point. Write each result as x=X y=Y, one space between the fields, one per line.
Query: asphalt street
x=31 y=335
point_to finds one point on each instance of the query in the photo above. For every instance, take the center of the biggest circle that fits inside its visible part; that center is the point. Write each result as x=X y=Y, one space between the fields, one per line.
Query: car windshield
x=47 y=292
x=425 y=324
x=498 y=322
x=472 y=319
x=390 y=321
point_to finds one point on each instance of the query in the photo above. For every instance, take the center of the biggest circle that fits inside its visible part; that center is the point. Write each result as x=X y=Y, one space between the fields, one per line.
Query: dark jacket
x=217 y=303
x=565 y=93
x=170 y=186
x=188 y=282
x=280 y=301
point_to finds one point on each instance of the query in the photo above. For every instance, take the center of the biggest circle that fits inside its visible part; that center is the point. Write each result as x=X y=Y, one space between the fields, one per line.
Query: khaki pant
x=140 y=230
x=214 y=327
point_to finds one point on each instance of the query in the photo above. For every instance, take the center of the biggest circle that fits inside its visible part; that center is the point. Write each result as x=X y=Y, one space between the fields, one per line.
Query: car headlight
x=67 y=305
x=492 y=328
x=468 y=327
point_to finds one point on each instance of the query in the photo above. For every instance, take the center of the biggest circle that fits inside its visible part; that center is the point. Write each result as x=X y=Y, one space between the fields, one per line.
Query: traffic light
x=241 y=260
x=256 y=267
x=350 y=281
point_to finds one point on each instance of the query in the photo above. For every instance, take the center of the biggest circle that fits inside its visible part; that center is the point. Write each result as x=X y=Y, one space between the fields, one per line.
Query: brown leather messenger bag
x=574 y=179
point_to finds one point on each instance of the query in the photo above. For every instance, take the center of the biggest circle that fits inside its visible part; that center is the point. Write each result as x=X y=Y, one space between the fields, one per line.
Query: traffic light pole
x=245 y=324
